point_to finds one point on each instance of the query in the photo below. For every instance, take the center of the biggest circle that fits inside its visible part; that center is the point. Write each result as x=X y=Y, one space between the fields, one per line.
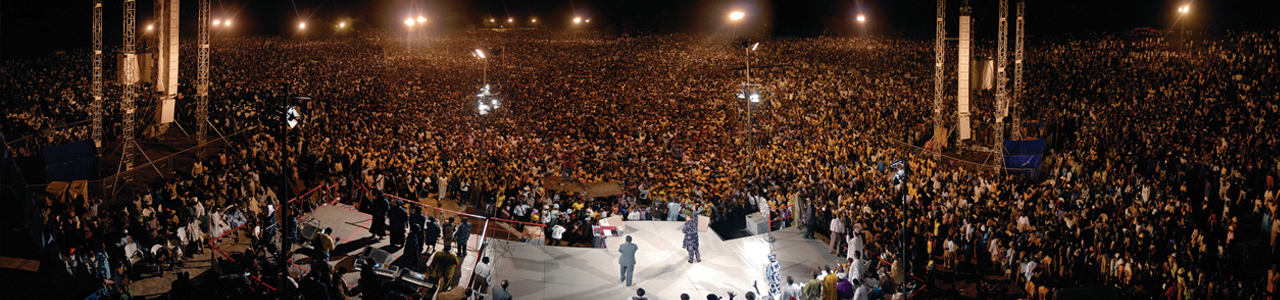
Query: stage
x=350 y=228
x=546 y=272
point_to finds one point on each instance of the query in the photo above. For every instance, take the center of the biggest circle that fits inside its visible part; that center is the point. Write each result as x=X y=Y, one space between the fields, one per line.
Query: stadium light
x=535 y=20
x=479 y=54
x=342 y=24
x=511 y=20
x=753 y=46
x=408 y=22
x=217 y=22
x=227 y=23
x=421 y=19
x=577 y=20
x=1184 y=9
x=149 y=27
x=302 y=25
x=491 y=20
x=737 y=15
x=862 y=19
x=587 y=20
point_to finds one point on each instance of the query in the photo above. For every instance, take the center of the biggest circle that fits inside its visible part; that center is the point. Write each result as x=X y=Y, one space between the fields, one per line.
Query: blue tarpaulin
x=1023 y=154
x=69 y=162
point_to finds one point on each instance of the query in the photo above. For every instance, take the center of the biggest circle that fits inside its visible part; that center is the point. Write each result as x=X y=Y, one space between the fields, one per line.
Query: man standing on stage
x=773 y=275
x=691 y=238
x=378 y=208
x=431 y=234
x=442 y=265
x=462 y=235
x=628 y=260
x=399 y=217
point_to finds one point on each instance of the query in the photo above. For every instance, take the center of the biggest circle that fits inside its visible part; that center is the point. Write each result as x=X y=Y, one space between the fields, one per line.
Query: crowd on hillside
x=1161 y=170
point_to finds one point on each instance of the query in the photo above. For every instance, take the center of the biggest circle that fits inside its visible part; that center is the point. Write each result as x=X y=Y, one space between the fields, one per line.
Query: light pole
x=1182 y=27
x=733 y=18
x=486 y=102
x=480 y=54
x=862 y=24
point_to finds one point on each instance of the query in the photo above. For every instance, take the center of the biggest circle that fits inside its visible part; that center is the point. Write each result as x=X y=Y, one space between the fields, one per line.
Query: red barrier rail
x=213 y=245
x=526 y=223
x=782 y=218
x=313 y=190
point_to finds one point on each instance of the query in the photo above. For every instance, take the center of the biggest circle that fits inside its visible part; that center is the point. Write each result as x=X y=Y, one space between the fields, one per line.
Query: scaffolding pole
x=938 y=76
x=1002 y=97
x=96 y=108
x=202 y=80
x=1017 y=77
x=129 y=86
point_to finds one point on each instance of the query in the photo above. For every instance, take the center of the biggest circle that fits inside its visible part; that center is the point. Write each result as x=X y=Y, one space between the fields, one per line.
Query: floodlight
x=149 y=27
x=408 y=22
x=481 y=55
x=421 y=19
x=342 y=24
x=862 y=18
x=577 y=20
x=215 y=23
x=292 y=116
x=534 y=20
x=755 y=97
x=753 y=46
x=302 y=25
x=227 y=23
x=509 y=20
x=737 y=15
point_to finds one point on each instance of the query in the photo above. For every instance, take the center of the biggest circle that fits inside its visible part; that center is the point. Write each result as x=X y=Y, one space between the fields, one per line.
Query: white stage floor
x=546 y=272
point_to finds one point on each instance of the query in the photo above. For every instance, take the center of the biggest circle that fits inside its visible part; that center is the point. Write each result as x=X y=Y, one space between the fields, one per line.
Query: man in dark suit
x=378 y=208
x=461 y=235
x=399 y=218
x=431 y=234
x=628 y=260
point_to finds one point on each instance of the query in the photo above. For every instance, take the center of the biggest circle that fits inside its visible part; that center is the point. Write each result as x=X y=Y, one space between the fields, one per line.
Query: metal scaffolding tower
x=938 y=47
x=129 y=87
x=95 y=110
x=1002 y=97
x=1017 y=77
x=202 y=78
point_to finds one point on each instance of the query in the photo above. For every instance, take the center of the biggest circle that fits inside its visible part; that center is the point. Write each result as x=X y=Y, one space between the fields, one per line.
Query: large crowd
x=1161 y=183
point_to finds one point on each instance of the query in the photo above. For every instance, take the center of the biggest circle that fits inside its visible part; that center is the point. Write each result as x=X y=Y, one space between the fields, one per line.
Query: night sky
x=34 y=28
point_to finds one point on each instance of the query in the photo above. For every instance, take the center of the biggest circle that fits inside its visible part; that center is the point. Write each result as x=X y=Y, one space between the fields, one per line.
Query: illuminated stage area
x=546 y=272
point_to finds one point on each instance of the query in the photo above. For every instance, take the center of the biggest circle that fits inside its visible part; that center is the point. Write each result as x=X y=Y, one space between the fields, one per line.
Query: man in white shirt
x=861 y=293
x=484 y=270
x=557 y=232
x=793 y=290
x=855 y=244
x=837 y=234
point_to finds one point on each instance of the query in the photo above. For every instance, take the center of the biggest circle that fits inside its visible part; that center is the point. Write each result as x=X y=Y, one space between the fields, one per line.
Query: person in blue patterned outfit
x=773 y=273
x=691 y=238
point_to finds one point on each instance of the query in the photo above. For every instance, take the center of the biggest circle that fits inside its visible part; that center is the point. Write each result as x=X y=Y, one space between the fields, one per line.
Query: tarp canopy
x=1023 y=154
x=71 y=161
